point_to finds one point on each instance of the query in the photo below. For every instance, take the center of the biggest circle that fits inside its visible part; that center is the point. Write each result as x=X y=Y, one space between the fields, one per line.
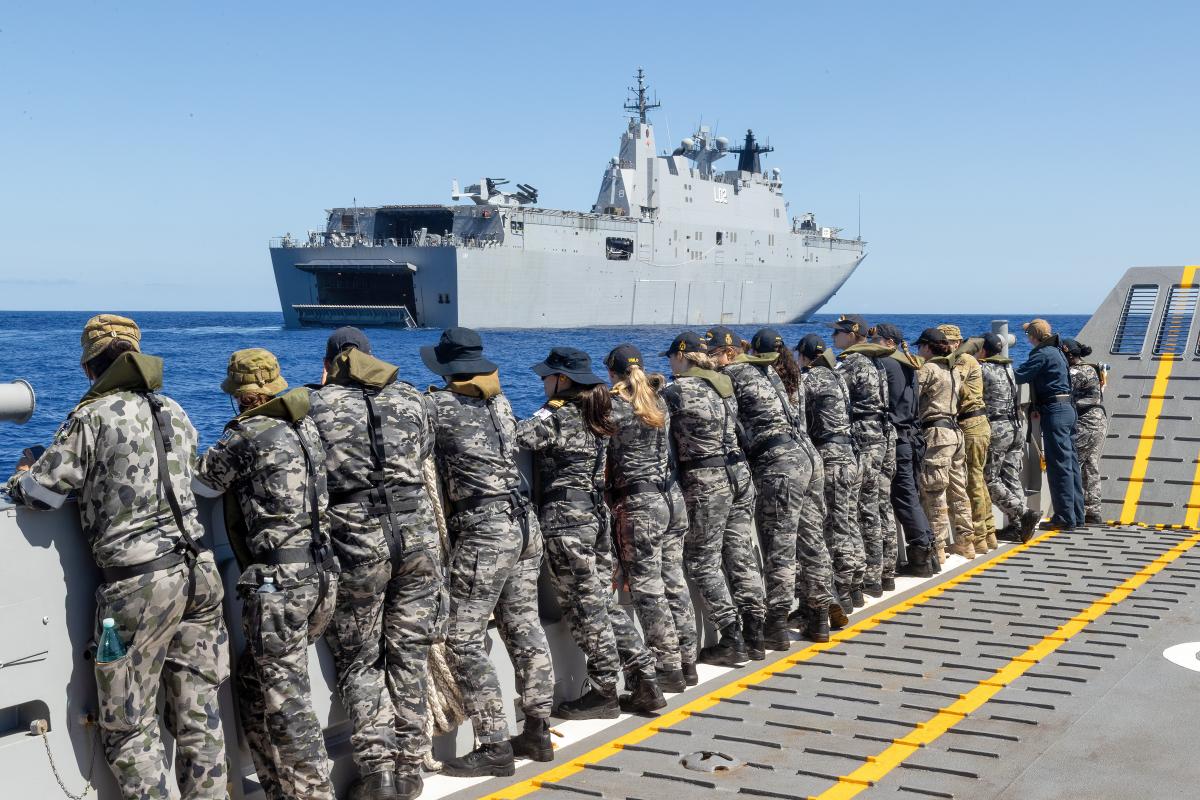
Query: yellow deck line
x=737 y=686
x=1141 y=460
x=924 y=733
x=1192 y=517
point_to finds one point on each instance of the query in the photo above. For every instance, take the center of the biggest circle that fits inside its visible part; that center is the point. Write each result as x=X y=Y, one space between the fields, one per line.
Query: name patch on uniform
x=542 y=413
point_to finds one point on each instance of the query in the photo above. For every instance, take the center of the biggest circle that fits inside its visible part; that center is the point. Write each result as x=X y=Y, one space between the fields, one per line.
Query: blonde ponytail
x=701 y=360
x=635 y=388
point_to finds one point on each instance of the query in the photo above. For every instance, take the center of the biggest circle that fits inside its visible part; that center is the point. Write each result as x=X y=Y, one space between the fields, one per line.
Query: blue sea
x=43 y=348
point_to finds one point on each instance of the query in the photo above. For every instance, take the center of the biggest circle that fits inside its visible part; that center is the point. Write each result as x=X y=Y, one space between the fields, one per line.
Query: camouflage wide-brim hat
x=951 y=332
x=102 y=330
x=253 y=370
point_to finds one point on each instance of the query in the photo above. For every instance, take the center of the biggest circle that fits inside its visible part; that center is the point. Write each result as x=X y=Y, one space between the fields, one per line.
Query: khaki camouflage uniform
x=497 y=554
x=1007 y=448
x=169 y=621
x=977 y=435
x=264 y=461
x=391 y=597
x=1091 y=427
x=943 y=470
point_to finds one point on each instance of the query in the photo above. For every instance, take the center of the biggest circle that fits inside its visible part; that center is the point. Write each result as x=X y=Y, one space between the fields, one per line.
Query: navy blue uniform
x=902 y=410
x=1048 y=375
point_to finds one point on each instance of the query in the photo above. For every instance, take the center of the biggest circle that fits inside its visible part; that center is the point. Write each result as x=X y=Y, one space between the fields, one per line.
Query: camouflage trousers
x=175 y=644
x=842 y=537
x=887 y=515
x=494 y=570
x=679 y=593
x=1003 y=469
x=814 y=567
x=273 y=690
x=581 y=567
x=977 y=435
x=1090 y=430
x=718 y=553
x=871 y=483
x=641 y=521
x=387 y=616
x=944 y=492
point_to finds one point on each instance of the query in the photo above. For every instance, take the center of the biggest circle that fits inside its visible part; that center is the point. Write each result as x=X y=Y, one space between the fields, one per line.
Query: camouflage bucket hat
x=253 y=370
x=951 y=332
x=102 y=330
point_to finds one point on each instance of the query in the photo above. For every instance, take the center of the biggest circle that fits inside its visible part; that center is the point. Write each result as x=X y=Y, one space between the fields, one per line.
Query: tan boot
x=963 y=548
x=981 y=545
x=992 y=541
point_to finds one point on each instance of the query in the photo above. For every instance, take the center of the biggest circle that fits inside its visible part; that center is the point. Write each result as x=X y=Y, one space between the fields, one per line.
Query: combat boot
x=964 y=548
x=981 y=545
x=775 y=632
x=690 y=676
x=534 y=741
x=644 y=695
x=888 y=584
x=856 y=597
x=919 y=565
x=594 y=704
x=992 y=541
x=671 y=680
x=408 y=786
x=376 y=786
x=1029 y=523
x=1093 y=519
x=844 y=599
x=752 y=634
x=873 y=589
x=937 y=557
x=816 y=625
x=837 y=616
x=729 y=651
x=494 y=759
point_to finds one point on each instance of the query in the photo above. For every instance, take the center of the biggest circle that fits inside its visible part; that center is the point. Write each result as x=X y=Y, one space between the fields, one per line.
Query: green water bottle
x=111 y=648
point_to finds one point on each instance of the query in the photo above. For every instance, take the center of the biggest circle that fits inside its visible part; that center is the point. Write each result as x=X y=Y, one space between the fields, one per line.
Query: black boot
x=919 y=562
x=816 y=625
x=1029 y=523
x=533 y=742
x=644 y=696
x=775 y=633
x=690 y=676
x=888 y=584
x=729 y=651
x=856 y=596
x=671 y=680
x=409 y=786
x=798 y=618
x=752 y=633
x=594 y=704
x=494 y=760
x=873 y=589
x=376 y=786
x=842 y=595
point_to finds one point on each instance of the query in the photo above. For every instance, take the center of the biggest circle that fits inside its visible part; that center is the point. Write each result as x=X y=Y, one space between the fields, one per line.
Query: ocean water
x=43 y=348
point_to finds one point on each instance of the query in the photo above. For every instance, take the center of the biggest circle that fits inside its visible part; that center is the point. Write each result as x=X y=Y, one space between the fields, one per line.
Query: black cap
x=342 y=338
x=811 y=346
x=686 y=342
x=932 y=336
x=766 y=340
x=622 y=357
x=575 y=364
x=992 y=343
x=458 y=352
x=849 y=323
x=886 y=330
x=1072 y=348
x=720 y=336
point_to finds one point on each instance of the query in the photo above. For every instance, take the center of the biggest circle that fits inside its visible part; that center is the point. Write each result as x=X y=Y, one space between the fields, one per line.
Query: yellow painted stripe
x=1192 y=517
x=1141 y=460
x=924 y=733
x=736 y=687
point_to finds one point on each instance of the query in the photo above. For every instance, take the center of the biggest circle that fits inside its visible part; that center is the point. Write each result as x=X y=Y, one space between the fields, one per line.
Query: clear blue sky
x=1010 y=156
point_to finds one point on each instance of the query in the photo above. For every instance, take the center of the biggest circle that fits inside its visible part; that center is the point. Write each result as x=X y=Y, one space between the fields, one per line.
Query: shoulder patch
x=542 y=413
x=227 y=435
x=556 y=404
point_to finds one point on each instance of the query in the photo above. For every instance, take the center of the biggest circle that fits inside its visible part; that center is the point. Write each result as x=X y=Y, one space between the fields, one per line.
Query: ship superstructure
x=672 y=239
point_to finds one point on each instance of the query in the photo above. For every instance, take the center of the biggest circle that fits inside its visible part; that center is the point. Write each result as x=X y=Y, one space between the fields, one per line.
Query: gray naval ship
x=1064 y=667
x=671 y=240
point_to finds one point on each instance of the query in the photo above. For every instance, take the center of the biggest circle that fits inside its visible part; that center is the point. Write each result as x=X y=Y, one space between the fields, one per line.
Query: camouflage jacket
x=969 y=377
x=703 y=422
x=263 y=458
x=567 y=455
x=475 y=434
x=1085 y=387
x=938 y=402
x=796 y=408
x=1000 y=390
x=827 y=402
x=868 y=393
x=105 y=453
x=637 y=452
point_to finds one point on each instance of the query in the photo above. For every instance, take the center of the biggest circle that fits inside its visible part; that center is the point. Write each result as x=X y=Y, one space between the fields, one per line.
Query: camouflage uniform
x=570 y=464
x=169 y=620
x=943 y=471
x=1091 y=427
x=391 y=595
x=977 y=435
x=639 y=485
x=869 y=427
x=1007 y=447
x=497 y=554
x=827 y=402
x=262 y=461
x=720 y=498
x=887 y=514
x=678 y=591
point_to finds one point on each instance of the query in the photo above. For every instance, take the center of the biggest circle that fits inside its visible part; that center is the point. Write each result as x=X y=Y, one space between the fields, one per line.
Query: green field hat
x=102 y=330
x=253 y=370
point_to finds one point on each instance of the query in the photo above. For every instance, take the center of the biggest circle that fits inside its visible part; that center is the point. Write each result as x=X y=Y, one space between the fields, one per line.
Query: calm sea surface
x=43 y=348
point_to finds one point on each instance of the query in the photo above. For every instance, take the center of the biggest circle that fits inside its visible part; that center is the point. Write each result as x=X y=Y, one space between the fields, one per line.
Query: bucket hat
x=459 y=351
x=253 y=370
x=575 y=364
x=102 y=330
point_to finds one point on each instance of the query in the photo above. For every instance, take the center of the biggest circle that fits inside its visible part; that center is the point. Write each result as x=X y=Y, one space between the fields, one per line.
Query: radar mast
x=639 y=101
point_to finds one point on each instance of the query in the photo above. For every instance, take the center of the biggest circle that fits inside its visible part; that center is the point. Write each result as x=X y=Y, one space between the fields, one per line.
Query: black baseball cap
x=811 y=346
x=992 y=343
x=886 y=330
x=622 y=357
x=345 y=337
x=766 y=340
x=932 y=336
x=849 y=323
x=686 y=342
x=720 y=336
x=569 y=361
x=458 y=352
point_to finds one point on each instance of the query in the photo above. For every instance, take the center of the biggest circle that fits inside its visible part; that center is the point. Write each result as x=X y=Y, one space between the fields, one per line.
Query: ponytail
x=595 y=403
x=701 y=360
x=636 y=389
x=788 y=371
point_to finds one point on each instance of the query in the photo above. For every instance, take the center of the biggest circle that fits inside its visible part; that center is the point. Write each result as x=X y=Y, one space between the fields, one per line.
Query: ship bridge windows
x=1176 y=321
x=406 y=224
x=618 y=248
x=1134 y=323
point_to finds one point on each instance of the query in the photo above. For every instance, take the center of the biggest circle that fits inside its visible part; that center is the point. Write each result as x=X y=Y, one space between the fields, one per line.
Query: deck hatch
x=1176 y=320
x=1135 y=320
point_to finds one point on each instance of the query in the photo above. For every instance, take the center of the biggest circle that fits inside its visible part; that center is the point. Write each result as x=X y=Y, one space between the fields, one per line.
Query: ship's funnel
x=17 y=401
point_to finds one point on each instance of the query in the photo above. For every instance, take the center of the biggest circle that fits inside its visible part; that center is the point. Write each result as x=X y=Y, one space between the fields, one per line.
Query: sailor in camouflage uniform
x=1091 y=425
x=649 y=538
x=271 y=466
x=159 y=584
x=977 y=434
x=719 y=554
x=496 y=559
x=871 y=430
x=377 y=435
x=1007 y=448
x=827 y=401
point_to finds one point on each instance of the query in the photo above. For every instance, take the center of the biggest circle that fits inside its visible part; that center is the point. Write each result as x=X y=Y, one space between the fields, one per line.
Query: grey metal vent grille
x=1177 y=321
x=1135 y=319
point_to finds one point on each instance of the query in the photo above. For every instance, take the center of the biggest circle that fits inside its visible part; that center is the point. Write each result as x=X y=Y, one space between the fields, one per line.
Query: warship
x=672 y=239
x=1057 y=668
